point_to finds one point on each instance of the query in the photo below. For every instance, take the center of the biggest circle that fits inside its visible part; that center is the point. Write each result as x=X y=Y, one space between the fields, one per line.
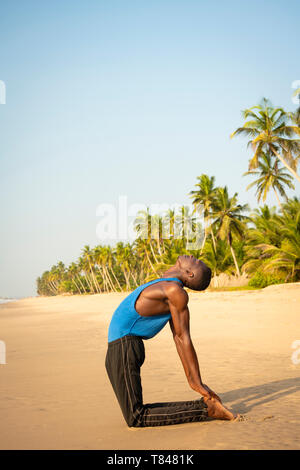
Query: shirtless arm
x=180 y=326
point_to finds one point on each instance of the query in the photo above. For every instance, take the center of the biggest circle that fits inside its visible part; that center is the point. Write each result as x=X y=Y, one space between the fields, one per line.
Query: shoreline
x=4 y=301
x=242 y=288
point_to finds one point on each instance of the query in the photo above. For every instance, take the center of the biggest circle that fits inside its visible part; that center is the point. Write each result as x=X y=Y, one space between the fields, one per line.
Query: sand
x=54 y=392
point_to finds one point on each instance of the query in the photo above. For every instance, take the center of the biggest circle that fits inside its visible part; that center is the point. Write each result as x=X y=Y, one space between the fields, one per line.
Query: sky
x=126 y=98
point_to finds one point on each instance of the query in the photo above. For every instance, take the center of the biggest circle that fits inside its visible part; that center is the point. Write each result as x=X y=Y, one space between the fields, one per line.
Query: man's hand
x=208 y=393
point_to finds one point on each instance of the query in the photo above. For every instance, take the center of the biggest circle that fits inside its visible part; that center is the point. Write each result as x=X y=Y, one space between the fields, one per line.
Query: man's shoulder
x=175 y=292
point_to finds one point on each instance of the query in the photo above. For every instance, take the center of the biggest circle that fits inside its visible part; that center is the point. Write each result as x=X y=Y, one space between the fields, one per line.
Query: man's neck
x=173 y=272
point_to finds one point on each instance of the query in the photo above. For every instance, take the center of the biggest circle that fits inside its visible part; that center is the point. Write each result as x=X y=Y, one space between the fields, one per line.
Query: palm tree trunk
x=133 y=279
x=158 y=245
x=286 y=164
x=94 y=279
x=97 y=282
x=109 y=279
x=126 y=278
x=77 y=287
x=104 y=277
x=213 y=237
x=152 y=267
x=277 y=197
x=81 y=283
x=235 y=261
x=116 y=279
x=204 y=240
x=88 y=282
x=152 y=250
x=128 y=286
x=141 y=274
x=52 y=288
x=92 y=282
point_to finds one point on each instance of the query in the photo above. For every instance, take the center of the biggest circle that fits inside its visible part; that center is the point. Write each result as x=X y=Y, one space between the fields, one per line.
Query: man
x=141 y=315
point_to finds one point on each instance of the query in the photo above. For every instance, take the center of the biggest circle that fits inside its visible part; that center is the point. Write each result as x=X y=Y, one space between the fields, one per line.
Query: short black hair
x=203 y=278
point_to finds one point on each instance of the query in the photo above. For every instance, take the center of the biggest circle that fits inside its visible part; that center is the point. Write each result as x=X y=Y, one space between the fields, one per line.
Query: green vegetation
x=264 y=243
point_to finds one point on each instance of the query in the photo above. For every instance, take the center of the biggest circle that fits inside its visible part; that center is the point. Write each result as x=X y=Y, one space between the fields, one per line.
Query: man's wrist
x=199 y=388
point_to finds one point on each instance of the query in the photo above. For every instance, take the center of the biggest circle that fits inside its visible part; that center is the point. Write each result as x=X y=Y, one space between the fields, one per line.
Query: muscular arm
x=180 y=326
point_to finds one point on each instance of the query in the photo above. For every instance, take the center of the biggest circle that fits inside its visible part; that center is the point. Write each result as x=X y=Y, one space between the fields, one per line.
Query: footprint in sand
x=241 y=418
x=246 y=418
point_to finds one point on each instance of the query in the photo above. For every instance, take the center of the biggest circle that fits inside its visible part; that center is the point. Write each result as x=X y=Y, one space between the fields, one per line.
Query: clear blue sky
x=136 y=98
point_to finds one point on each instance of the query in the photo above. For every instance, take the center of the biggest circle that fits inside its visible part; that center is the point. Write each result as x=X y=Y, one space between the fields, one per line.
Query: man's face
x=188 y=262
x=197 y=275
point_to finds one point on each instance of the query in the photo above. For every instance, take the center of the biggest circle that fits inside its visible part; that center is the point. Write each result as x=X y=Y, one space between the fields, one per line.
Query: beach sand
x=54 y=392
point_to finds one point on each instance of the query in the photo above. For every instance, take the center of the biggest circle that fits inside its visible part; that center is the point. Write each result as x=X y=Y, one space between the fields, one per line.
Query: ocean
x=3 y=301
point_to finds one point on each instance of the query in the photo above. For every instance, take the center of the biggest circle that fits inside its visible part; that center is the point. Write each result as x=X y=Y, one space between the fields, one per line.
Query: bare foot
x=216 y=410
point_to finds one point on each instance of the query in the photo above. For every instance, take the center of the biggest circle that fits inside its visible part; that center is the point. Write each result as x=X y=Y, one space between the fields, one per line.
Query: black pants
x=124 y=359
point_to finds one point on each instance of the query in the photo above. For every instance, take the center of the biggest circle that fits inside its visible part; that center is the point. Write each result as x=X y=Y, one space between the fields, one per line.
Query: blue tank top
x=127 y=321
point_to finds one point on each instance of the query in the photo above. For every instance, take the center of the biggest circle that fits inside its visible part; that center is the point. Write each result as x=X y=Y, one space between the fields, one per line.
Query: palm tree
x=263 y=229
x=186 y=225
x=100 y=262
x=220 y=259
x=73 y=275
x=270 y=132
x=270 y=176
x=108 y=262
x=89 y=257
x=145 y=225
x=157 y=224
x=292 y=207
x=84 y=274
x=111 y=264
x=205 y=196
x=277 y=252
x=128 y=259
x=168 y=224
x=264 y=226
x=228 y=219
x=53 y=278
x=145 y=266
x=46 y=285
x=125 y=258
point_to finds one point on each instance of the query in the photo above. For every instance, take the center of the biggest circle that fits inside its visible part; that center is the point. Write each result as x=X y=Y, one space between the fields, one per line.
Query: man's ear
x=189 y=273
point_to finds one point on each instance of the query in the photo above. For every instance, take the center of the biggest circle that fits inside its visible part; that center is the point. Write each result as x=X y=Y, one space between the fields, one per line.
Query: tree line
x=264 y=243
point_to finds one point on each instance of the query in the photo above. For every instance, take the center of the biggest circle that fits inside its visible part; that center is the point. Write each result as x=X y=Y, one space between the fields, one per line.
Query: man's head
x=195 y=274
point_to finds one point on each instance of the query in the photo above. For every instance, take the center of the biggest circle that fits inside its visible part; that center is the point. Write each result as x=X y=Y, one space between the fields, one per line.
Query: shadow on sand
x=242 y=400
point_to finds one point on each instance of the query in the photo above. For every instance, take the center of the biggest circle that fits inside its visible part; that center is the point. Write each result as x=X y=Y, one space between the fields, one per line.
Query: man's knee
x=134 y=425
x=134 y=420
x=130 y=422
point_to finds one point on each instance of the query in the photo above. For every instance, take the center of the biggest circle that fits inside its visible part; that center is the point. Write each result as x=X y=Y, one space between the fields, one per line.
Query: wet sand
x=54 y=392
